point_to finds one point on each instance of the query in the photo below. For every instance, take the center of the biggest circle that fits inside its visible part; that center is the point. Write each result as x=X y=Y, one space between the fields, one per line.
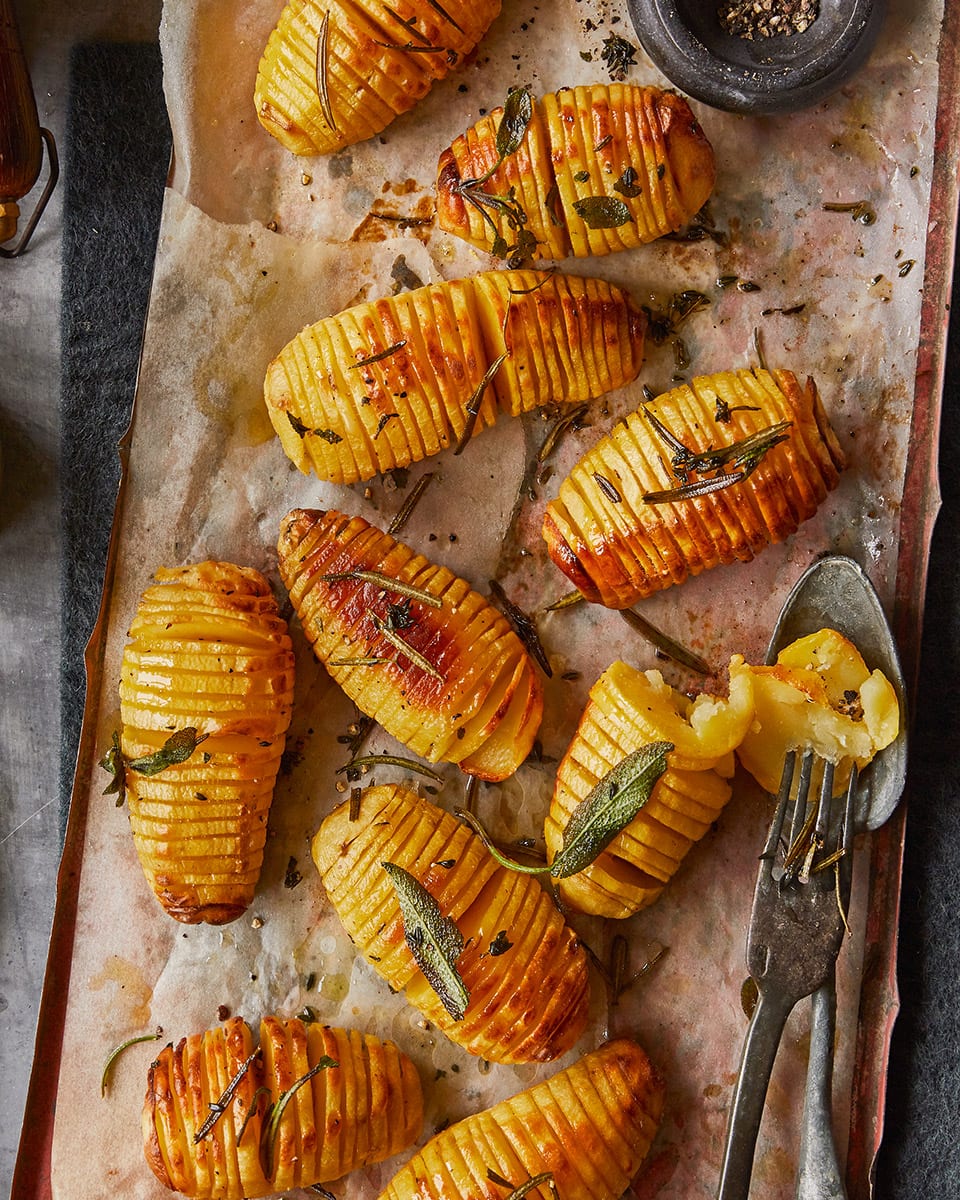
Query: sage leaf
x=610 y=807
x=602 y=212
x=112 y=762
x=434 y=940
x=517 y=115
x=176 y=749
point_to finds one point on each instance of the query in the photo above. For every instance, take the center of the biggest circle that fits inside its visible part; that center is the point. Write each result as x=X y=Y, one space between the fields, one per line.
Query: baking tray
x=903 y=583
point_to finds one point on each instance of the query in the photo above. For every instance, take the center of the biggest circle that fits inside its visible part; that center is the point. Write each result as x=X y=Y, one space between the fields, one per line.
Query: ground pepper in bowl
x=753 y=19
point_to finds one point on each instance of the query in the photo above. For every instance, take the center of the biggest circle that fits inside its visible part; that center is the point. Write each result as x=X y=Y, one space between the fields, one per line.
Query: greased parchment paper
x=254 y=244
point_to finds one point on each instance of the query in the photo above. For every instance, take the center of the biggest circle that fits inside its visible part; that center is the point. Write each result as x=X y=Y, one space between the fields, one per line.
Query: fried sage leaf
x=176 y=749
x=517 y=115
x=602 y=212
x=610 y=807
x=434 y=940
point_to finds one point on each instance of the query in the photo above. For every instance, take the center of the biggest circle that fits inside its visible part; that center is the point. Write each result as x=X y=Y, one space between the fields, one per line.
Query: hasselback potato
x=467 y=692
x=390 y=382
x=335 y=72
x=599 y=169
x=590 y=1126
x=617 y=540
x=523 y=969
x=629 y=709
x=209 y=652
x=363 y=1105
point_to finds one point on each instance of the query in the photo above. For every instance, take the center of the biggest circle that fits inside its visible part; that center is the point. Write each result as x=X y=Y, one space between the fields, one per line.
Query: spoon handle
x=21 y=150
x=819 y=1176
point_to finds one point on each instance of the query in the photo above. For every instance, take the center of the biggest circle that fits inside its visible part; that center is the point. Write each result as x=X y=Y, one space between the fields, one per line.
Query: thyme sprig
x=219 y=1107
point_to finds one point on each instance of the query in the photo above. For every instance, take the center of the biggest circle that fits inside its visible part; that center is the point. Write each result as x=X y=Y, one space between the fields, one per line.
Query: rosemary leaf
x=473 y=404
x=403 y=646
x=437 y=7
x=434 y=940
x=568 y=600
x=609 y=808
x=523 y=626
x=271 y=1128
x=409 y=504
x=388 y=583
x=117 y=1051
x=666 y=645
x=365 y=362
x=323 y=69
x=699 y=487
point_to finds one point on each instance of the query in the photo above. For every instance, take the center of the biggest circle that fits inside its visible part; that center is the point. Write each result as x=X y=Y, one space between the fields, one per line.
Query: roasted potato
x=617 y=540
x=208 y=652
x=820 y=693
x=467 y=693
x=629 y=709
x=335 y=72
x=590 y=1127
x=362 y=1109
x=522 y=966
x=599 y=169
x=392 y=381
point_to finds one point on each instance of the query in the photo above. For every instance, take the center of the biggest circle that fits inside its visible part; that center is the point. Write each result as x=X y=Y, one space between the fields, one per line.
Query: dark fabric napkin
x=117 y=153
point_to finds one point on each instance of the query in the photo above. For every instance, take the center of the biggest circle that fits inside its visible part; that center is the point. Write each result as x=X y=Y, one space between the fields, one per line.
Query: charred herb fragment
x=523 y=626
x=117 y=1051
x=409 y=504
x=626 y=185
x=219 y=1107
x=434 y=940
x=271 y=1126
x=619 y=55
x=112 y=762
x=500 y=944
x=327 y=435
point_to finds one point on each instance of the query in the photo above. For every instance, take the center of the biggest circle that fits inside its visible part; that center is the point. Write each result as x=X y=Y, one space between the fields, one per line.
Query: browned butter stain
x=386 y=221
x=130 y=1003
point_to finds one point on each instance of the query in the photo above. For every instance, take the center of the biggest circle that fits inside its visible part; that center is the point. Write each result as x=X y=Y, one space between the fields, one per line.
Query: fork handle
x=820 y=1177
x=749 y=1095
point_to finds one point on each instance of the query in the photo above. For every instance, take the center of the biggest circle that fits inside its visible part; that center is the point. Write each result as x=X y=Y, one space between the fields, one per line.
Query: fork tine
x=783 y=798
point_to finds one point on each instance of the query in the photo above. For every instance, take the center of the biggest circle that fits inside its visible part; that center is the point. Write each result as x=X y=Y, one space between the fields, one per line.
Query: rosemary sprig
x=271 y=1128
x=323 y=72
x=219 y=1107
x=403 y=646
x=558 y=429
x=663 y=643
x=388 y=583
x=393 y=760
x=117 y=1051
x=528 y=1185
x=473 y=404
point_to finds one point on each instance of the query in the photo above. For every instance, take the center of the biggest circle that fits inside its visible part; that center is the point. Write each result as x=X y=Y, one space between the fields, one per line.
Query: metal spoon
x=835 y=593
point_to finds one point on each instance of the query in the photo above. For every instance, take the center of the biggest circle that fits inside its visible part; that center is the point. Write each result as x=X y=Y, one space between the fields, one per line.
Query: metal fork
x=796 y=930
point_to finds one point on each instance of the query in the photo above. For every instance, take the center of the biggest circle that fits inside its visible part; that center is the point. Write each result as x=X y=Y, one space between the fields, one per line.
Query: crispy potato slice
x=208 y=651
x=392 y=381
x=820 y=693
x=590 y=1126
x=335 y=72
x=601 y=168
x=365 y=1109
x=616 y=547
x=527 y=1004
x=629 y=709
x=481 y=701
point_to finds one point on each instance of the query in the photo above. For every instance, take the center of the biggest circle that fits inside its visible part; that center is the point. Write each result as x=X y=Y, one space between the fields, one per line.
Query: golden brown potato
x=617 y=541
x=629 y=709
x=468 y=693
x=209 y=651
x=335 y=72
x=599 y=169
x=820 y=693
x=522 y=966
x=590 y=1126
x=392 y=381
x=362 y=1109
